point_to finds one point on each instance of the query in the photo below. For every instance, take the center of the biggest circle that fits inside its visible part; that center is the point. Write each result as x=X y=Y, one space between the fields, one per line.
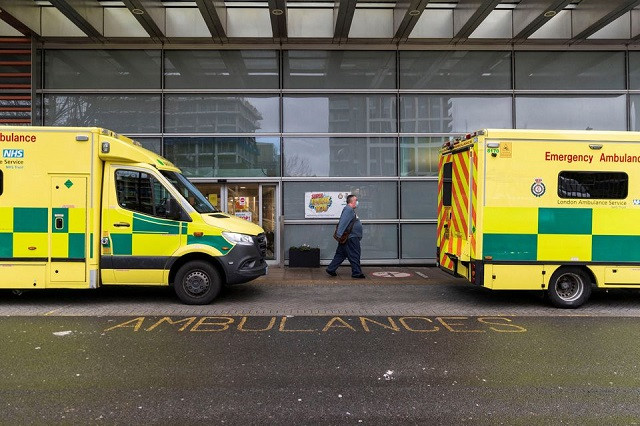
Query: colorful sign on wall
x=324 y=204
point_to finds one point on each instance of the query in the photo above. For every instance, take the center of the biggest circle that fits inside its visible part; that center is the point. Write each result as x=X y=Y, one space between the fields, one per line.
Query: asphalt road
x=337 y=369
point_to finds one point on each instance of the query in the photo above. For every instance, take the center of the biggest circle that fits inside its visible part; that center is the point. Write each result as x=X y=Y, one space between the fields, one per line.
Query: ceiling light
x=550 y=13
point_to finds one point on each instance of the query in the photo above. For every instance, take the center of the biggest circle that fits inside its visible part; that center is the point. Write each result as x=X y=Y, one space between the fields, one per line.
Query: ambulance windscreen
x=189 y=192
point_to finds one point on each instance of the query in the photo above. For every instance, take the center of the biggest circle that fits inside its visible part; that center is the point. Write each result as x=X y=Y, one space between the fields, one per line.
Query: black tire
x=197 y=283
x=569 y=288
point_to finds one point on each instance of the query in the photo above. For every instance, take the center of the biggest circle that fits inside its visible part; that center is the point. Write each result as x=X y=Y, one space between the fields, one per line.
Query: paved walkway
x=387 y=291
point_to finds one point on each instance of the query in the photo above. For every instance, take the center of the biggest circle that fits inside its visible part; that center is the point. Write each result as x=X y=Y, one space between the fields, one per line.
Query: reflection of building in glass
x=376 y=112
x=362 y=156
x=224 y=156
x=427 y=114
x=215 y=115
x=221 y=156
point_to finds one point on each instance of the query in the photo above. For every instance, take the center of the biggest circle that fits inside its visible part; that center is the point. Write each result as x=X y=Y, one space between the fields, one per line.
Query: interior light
x=277 y=12
x=550 y=13
x=414 y=12
x=137 y=11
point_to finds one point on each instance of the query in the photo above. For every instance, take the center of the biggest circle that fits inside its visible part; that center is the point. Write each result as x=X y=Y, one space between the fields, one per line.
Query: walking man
x=351 y=249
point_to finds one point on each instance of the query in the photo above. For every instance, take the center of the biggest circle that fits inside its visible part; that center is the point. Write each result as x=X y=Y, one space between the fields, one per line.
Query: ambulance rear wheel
x=569 y=288
x=197 y=283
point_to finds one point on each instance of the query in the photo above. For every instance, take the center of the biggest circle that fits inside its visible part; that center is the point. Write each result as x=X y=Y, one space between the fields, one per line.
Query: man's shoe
x=358 y=276
x=333 y=274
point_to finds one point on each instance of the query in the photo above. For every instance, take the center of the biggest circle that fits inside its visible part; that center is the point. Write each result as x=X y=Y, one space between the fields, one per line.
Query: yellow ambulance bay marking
x=413 y=324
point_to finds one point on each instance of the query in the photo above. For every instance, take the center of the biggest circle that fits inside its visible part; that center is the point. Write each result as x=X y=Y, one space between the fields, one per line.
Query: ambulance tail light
x=477 y=273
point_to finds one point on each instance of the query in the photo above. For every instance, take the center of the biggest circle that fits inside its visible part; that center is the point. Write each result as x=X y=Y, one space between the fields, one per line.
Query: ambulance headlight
x=236 y=238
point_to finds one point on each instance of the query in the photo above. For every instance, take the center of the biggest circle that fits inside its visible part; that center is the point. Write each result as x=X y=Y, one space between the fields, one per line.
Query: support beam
x=151 y=15
x=278 y=14
x=343 y=11
x=590 y=16
x=88 y=16
x=530 y=16
x=214 y=13
x=23 y=15
x=468 y=15
x=405 y=17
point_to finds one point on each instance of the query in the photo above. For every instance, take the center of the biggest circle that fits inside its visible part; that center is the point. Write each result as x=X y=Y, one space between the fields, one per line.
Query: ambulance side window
x=595 y=185
x=141 y=192
x=447 y=173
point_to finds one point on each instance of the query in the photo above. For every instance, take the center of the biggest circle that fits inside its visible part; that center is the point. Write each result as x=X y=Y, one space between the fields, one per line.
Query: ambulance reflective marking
x=320 y=325
x=474 y=198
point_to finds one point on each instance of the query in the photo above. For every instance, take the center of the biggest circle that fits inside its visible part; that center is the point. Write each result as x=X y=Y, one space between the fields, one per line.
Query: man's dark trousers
x=349 y=250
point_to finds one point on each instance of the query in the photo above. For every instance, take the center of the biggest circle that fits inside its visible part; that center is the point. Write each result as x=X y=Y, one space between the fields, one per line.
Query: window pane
x=455 y=70
x=444 y=114
x=634 y=112
x=418 y=241
x=378 y=241
x=221 y=69
x=320 y=69
x=569 y=70
x=595 y=185
x=152 y=144
x=419 y=156
x=339 y=156
x=340 y=114
x=634 y=70
x=571 y=112
x=102 y=69
x=376 y=200
x=221 y=114
x=120 y=113
x=419 y=200
x=141 y=192
x=225 y=156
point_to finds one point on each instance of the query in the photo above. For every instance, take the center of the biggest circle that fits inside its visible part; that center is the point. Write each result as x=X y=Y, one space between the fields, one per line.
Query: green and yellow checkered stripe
x=22 y=228
x=561 y=234
x=146 y=237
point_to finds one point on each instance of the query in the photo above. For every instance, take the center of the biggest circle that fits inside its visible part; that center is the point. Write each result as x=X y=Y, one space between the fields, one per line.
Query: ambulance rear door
x=456 y=209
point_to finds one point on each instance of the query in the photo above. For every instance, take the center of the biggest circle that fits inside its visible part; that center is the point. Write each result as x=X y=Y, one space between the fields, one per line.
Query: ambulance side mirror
x=174 y=211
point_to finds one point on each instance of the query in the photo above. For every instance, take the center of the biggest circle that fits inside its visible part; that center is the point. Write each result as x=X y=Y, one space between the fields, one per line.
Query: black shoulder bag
x=343 y=238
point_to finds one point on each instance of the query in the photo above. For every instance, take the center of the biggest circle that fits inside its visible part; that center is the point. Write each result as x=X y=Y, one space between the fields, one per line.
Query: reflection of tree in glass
x=296 y=165
x=71 y=111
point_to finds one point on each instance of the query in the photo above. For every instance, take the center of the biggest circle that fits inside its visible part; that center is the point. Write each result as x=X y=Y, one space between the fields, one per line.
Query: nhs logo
x=13 y=153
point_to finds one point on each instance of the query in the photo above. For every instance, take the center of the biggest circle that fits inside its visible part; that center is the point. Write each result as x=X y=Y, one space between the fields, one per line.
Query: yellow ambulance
x=557 y=211
x=84 y=207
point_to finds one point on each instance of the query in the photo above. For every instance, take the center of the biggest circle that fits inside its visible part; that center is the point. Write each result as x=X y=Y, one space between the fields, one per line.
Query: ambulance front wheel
x=569 y=288
x=197 y=283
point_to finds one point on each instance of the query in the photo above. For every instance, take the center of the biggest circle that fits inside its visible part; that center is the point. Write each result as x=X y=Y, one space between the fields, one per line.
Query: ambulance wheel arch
x=570 y=286
x=196 y=279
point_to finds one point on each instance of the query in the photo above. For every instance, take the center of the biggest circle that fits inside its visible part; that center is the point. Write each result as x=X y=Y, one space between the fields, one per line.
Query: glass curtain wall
x=366 y=122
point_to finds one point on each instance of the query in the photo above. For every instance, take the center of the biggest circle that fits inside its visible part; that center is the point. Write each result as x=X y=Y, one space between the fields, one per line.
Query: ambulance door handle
x=122 y=225
x=59 y=222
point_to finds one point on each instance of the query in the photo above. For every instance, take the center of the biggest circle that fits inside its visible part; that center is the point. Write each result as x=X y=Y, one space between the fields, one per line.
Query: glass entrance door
x=255 y=202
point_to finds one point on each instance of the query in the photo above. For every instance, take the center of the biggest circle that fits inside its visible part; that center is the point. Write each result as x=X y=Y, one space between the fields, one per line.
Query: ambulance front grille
x=260 y=241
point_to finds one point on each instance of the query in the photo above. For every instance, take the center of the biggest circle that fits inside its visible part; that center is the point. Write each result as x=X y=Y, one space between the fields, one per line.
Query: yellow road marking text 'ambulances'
x=83 y=207
x=541 y=210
